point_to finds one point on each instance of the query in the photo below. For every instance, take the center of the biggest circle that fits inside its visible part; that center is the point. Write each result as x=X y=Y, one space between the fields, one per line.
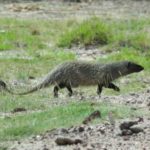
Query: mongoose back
x=74 y=74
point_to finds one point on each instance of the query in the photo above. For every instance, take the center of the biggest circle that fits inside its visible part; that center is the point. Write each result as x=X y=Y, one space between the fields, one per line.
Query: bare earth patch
x=59 y=10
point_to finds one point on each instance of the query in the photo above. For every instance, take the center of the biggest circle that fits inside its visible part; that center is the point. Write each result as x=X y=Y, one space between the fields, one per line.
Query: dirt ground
x=92 y=137
x=59 y=10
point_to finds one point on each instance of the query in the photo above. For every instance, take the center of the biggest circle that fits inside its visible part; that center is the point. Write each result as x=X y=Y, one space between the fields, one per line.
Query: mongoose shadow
x=74 y=74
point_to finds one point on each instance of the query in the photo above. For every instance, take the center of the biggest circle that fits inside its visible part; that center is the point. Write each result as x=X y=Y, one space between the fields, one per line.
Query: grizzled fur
x=74 y=74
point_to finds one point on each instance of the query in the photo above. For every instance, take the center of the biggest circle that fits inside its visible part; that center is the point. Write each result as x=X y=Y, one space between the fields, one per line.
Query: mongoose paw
x=117 y=89
x=69 y=94
x=55 y=95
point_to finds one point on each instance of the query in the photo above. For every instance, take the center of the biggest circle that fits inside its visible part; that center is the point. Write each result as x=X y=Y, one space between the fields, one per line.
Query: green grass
x=95 y=31
x=29 y=35
x=15 y=68
x=89 y=32
x=61 y=116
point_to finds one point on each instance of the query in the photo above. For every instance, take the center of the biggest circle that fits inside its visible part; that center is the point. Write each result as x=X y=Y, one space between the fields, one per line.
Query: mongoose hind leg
x=113 y=86
x=61 y=86
x=99 y=89
x=69 y=89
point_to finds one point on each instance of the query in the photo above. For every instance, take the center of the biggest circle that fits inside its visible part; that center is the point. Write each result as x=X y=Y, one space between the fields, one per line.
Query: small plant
x=89 y=32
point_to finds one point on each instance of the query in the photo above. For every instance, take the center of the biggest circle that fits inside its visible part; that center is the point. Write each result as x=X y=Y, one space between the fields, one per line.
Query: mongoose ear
x=129 y=64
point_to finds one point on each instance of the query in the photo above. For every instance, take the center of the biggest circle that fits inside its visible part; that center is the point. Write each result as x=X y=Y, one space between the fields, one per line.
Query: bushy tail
x=43 y=84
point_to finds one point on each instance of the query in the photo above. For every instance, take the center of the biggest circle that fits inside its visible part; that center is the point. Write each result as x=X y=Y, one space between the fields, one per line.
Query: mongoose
x=73 y=74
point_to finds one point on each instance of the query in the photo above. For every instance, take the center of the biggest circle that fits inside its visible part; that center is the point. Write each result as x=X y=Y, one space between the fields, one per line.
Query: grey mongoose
x=73 y=74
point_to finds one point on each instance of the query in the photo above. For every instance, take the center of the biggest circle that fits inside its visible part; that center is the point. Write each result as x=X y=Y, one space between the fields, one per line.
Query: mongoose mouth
x=141 y=68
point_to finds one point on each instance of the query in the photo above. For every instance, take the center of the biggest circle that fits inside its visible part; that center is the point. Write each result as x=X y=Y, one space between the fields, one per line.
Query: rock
x=31 y=77
x=126 y=132
x=140 y=119
x=67 y=141
x=101 y=130
x=63 y=130
x=81 y=129
x=92 y=116
x=131 y=127
x=19 y=109
x=136 y=129
x=45 y=148
x=148 y=104
x=127 y=125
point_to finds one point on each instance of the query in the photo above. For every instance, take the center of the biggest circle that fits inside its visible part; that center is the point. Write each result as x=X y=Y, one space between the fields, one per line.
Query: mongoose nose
x=140 y=68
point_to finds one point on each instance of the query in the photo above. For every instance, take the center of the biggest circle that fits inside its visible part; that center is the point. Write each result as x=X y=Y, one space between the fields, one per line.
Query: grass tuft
x=90 y=32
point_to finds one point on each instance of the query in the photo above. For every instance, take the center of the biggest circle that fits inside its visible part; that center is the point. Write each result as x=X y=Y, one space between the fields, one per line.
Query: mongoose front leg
x=113 y=86
x=56 y=88
x=69 y=89
x=99 y=89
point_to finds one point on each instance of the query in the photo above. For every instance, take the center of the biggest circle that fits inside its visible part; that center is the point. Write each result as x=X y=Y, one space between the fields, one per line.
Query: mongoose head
x=128 y=67
x=123 y=68
x=133 y=67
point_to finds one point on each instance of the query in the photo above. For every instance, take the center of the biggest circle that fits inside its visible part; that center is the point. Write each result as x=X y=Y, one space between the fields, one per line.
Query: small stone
x=18 y=109
x=92 y=116
x=148 y=104
x=67 y=141
x=140 y=119
x=148 y=91
x=126 y=132
x=133 y=108
x=63 y=130
x=127 y=125
x=45 y=148
x=38 y=137
x=77 y=141
x=31 y=77
x=101 y=130
x=126 y=138
x=136 y=130
x=81 y=129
